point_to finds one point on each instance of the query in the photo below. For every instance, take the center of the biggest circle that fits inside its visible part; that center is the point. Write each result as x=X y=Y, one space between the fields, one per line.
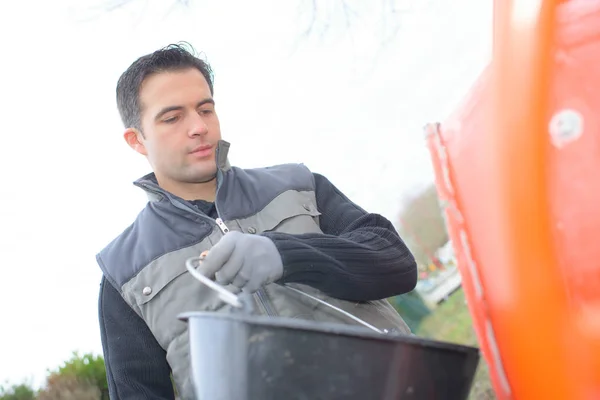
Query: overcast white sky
x=343 y=102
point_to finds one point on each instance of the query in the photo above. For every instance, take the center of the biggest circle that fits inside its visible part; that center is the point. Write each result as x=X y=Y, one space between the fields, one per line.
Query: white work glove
x=246 y=261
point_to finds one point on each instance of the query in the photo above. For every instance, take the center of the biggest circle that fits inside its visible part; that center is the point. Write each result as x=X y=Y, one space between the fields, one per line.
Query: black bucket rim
x=332 y=328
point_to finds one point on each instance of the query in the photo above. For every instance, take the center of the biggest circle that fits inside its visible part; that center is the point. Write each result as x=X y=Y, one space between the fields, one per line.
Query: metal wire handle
x=233 y=299
x=223 y=293
x=347 y=314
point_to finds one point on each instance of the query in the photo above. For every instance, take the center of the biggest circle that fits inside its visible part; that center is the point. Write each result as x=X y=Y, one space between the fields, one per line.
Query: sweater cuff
x=295 y=255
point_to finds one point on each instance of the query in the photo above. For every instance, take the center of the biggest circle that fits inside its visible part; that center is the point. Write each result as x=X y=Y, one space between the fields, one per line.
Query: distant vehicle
x=441 y=283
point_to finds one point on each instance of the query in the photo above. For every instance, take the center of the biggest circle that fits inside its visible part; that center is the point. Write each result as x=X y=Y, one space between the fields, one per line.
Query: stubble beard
x=200 y=178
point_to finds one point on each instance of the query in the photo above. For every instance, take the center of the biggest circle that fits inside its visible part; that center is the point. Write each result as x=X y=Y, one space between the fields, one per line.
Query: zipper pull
x=222 y=225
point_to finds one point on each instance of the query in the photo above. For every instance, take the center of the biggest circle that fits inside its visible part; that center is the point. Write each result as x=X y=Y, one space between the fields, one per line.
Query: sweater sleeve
x=358 y=257
x=136 y=365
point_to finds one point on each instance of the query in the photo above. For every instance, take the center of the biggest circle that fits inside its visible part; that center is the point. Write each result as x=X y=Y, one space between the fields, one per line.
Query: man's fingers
x=256 y=281
x=230 y=269
x=241 y=277
x=219 y=254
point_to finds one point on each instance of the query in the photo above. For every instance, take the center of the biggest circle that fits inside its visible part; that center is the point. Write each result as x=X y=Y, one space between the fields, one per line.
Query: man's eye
x=206 y=112
x=170 y=120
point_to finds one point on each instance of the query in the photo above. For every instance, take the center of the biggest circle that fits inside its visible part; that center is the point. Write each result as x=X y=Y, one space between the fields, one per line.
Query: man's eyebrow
x=178 y=108
x=205 y=101
x=166 y=110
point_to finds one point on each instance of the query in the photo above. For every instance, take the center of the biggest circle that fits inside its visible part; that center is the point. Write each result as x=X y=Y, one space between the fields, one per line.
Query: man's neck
x=192 y=191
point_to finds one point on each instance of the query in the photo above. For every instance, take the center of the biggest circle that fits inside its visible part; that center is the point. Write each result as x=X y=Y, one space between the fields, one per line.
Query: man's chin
x=207 y=179
x=205 y=176
x=201 y=173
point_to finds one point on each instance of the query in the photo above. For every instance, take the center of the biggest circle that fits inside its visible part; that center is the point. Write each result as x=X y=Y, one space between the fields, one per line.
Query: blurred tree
x=422 y=224
x=69 y=387
x=81 y=377
x=22 y=391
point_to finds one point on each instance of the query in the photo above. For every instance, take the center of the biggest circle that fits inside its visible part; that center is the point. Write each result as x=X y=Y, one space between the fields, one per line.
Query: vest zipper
x=260 y=294
x=222 y=225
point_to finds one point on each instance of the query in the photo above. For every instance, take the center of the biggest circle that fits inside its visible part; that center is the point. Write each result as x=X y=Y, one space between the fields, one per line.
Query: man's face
x=180 y=127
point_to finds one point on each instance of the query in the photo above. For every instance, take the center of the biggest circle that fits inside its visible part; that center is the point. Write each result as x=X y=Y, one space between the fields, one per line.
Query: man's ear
x=135 y=140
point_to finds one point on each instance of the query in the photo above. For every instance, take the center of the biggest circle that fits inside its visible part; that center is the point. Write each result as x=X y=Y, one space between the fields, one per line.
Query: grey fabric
x=158 y=230
x=292 y=211
x=245 y=192
x=221 y=155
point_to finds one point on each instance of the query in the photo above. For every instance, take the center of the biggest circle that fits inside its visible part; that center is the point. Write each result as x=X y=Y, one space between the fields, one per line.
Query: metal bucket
x=240 y=356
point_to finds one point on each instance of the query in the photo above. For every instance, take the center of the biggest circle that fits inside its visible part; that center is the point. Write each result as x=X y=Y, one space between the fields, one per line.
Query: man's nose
x=197 y=125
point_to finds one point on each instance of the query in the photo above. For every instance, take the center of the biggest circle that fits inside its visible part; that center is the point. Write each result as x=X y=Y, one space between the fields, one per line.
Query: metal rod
x=347 y=314
x=224 y=294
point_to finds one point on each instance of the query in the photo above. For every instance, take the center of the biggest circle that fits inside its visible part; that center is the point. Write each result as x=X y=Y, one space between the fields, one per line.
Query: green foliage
x=22 y=391
x=85 y=368
x=79 y=378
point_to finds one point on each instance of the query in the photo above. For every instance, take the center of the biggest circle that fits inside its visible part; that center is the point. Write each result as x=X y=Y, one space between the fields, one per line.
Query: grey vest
x=146 y=263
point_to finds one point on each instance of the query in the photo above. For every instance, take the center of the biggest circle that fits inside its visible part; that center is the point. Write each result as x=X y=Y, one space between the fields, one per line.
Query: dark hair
x=174 y=57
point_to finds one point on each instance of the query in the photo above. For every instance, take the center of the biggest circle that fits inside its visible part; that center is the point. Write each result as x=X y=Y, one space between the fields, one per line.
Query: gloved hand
x=244 y=260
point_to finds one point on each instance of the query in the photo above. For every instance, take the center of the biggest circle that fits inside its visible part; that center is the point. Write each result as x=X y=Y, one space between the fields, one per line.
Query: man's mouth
x=202 y=151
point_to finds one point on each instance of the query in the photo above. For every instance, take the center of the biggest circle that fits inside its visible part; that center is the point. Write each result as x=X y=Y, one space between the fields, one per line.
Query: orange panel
x=518 y=168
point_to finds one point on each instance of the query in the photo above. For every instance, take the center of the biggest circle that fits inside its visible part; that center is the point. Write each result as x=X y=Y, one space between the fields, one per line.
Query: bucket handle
x=224 y=294
x=233 y=300
x=347 y=314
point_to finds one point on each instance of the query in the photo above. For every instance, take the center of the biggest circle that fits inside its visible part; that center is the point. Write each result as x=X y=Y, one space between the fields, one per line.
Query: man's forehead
x=171 y=87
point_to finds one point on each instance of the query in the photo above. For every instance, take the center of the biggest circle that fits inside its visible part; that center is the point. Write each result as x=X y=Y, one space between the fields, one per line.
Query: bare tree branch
x=114 y=5
x=104 y=7
x=313 y=18
x=320 y=18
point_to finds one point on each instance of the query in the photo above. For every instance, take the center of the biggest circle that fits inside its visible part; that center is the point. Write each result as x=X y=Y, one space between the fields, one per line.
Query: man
x=264 y=227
